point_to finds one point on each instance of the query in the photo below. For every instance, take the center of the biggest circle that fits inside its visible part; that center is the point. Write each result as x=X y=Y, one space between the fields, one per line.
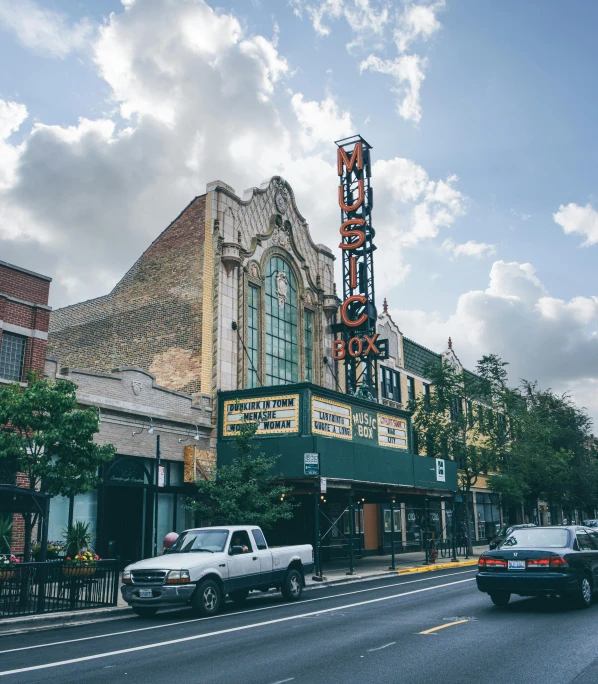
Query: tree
x=447 y=426
x=45 y=435
x=550 y=459
x=244 y=492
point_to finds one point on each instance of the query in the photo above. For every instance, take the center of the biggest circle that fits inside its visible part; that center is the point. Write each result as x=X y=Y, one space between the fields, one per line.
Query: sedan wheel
x=500 y=598
x=583 y=596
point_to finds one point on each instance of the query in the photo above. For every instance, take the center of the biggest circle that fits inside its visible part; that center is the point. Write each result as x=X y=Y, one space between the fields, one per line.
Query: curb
x=34 y=623
x=438 y=566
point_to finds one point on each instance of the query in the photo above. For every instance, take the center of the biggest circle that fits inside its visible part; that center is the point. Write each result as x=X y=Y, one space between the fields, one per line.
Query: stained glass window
x=253 y=335
x=308 y=321
x=282 y=350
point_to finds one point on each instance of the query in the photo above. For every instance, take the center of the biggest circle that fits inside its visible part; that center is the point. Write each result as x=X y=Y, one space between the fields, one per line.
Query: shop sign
x=365 y=426
x=311 y=464
x=323 y=485
x=359 y=347
x=330 y=418
x=274 y=415
x=392 y=432
x=440 y=473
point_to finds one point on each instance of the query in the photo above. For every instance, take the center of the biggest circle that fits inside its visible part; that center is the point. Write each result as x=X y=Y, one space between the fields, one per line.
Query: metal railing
x=54 y=586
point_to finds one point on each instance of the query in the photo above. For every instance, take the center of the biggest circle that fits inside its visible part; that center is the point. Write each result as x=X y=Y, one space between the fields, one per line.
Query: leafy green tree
x=549 y=460
x=446 y=424
x=244 y=492
x=45 y=435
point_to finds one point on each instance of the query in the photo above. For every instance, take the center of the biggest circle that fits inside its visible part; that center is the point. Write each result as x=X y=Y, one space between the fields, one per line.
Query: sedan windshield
x=537 y=538
x=196 y=541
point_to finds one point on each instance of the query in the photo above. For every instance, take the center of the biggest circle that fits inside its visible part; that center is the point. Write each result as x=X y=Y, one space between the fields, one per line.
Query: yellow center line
x=448 y=624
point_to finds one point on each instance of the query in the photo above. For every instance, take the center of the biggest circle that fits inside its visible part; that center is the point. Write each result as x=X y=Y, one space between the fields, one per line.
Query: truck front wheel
x=292 y=587
x=206 y=599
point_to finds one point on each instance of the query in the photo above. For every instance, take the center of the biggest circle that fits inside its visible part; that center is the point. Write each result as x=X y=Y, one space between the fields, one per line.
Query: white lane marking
x=230 y=630
x=215 y=617
x=282 y=681
x=392 y=643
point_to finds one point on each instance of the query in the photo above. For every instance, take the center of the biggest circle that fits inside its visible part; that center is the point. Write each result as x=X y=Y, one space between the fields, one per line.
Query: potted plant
x=53 y=550
x=81 y=565
x=8 y=564
x=77 y=538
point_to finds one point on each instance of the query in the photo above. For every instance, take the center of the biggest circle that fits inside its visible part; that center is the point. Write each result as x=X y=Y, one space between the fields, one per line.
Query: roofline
x=24 y=270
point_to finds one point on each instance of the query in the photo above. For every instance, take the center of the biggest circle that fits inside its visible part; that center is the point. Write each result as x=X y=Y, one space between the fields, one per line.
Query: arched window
x=282 y=332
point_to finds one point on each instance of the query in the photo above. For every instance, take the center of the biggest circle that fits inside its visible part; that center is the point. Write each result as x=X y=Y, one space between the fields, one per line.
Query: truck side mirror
x=235 y=550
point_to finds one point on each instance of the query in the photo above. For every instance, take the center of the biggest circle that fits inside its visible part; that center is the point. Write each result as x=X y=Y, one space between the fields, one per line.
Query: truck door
x=264 y=556
x=244 y=568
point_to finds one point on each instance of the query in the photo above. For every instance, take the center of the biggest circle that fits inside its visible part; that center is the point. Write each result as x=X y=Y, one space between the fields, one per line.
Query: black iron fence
x=54 y=586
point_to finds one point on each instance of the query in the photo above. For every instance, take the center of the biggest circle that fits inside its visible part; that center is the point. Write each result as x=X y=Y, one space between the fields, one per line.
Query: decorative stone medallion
x=137 y=387
x=282 y=288
x=280 y=199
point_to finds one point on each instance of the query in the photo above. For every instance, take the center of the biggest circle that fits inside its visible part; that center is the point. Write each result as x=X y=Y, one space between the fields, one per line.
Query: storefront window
x=166 y=502
x=59 y=517
x=282 y=350
x=387 y=520
x=252 y=335
x=85 y=509
x=183 y=515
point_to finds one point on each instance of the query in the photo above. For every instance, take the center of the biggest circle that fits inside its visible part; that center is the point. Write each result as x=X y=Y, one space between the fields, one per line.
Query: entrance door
x=123 y=523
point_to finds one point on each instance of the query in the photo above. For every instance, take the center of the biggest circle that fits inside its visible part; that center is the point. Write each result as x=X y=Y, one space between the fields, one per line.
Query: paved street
x=365 y=631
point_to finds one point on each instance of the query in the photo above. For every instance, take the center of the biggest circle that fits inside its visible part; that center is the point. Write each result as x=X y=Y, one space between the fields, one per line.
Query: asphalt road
x=376 y=631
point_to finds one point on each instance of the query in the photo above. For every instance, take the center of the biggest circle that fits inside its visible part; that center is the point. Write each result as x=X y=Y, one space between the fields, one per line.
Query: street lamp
x=150 y=431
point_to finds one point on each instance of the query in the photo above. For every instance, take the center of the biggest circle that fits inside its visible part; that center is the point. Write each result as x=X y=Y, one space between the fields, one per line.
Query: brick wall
x=24 y=285
x=30 y=312
x=153 y=317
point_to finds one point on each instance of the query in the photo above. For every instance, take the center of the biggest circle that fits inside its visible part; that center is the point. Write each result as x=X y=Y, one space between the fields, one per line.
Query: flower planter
x=78 y=571
x=6 y=574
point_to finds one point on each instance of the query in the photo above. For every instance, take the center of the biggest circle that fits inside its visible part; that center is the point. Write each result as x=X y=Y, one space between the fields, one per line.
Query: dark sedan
x=505 y=531
x=542 y=561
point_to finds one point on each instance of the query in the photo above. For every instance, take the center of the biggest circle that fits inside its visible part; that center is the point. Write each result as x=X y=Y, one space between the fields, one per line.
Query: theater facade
x=234 y=306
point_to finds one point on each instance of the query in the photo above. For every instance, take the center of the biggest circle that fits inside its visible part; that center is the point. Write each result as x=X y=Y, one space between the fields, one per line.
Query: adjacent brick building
x=24 y=322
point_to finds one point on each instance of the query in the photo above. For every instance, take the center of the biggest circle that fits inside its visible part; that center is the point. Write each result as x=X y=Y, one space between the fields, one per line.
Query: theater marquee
x=274 y=415
x=392 y=432
x=331 y=419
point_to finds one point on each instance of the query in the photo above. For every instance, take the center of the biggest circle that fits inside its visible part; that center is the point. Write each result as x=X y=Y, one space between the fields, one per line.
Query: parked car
x=590 y=523
x=542 y=561
x=505 y=531
x=207 y=563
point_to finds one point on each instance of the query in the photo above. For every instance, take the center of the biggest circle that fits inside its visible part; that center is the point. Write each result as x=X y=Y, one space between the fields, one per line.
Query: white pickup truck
x=207 y=563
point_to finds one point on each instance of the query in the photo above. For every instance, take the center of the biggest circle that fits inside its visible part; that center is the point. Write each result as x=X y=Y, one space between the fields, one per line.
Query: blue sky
x=481 y=114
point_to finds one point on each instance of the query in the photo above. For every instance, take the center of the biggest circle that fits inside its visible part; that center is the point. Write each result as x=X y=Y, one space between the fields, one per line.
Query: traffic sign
x=311 y=464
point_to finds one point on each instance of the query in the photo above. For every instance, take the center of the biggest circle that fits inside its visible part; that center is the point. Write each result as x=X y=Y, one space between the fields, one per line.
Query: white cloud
x=543 y=338
x=417 y=21
x=320 y=122
x=470 y=248
x=43 y=30
x=365 y=17
x=12 y=115
x=369 y=21
x=408 y=74
x=203 y=100
x=579 y=220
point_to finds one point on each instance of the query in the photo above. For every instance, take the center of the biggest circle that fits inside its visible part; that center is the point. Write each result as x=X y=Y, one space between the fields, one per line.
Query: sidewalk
x=376 y=566
x=335 y=572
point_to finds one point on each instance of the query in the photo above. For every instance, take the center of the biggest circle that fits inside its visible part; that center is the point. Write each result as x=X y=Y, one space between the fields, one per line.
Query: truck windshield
x=196 y=541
